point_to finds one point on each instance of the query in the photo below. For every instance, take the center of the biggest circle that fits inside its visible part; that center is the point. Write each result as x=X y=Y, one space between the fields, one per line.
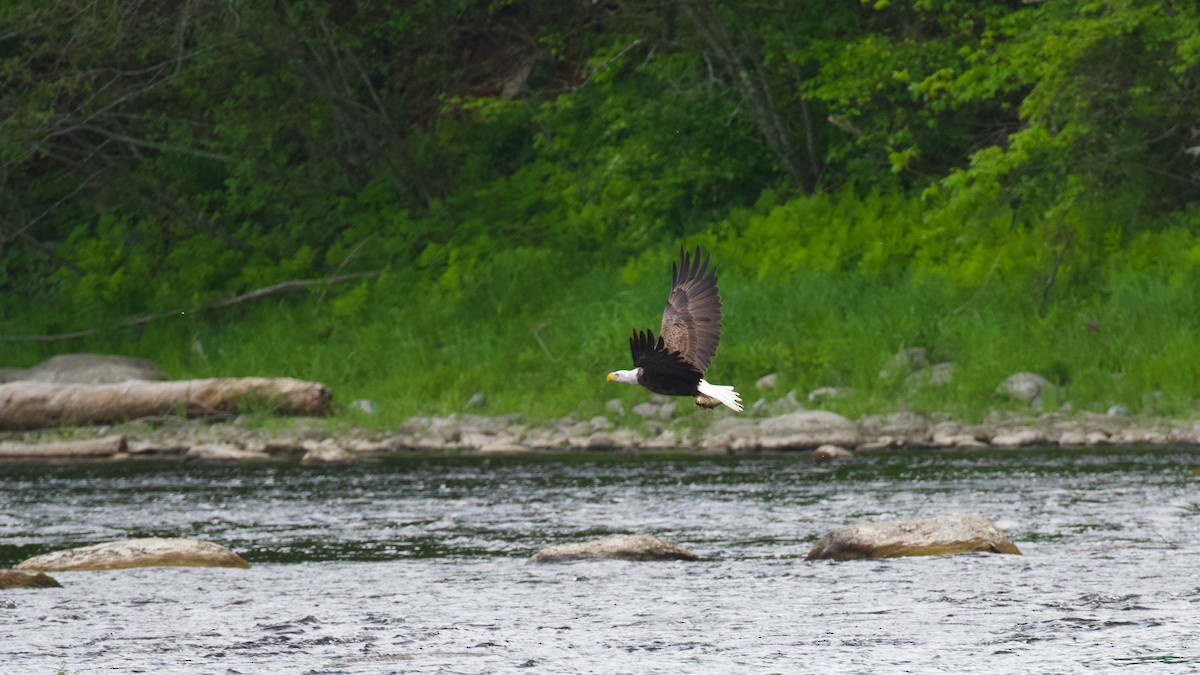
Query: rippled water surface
x=419 y=565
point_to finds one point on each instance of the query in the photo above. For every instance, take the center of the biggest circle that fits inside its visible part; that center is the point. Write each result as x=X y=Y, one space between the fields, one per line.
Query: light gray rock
x=767 y=382
x=905 y=362
x=148 y=552
x=806 y=429
x=938 y=374
x=1011 y=438
x=500 y=448
x=162 y=447
x=832 y=452
x=941 y=373
x=1118 y=410
x=105 y=446
x=730 y=434
x=1072 y=438
x=601 y=423
x=618 y=439
x=665 y=439
x=615 y=407
x=961 y=533
x=828 y=394
x=897 y=429
x=789 y=403
x=13 y=374
x=478 y=401
x=368 y=446
x=957 y=441
x=1026 y=387
x=94 y=369
x=324 y=452
x=223 y=452
x=546 y=439
x=655 y=410
x=26 y=579
x=363 y=405
x=638 y=547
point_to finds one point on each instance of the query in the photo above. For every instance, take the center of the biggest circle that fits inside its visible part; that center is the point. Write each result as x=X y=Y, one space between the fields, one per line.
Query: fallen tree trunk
x=34 y=405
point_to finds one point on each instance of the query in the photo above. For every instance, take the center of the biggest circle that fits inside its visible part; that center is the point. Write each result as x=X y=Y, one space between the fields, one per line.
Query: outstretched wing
x=657 y=361
x=691 y=323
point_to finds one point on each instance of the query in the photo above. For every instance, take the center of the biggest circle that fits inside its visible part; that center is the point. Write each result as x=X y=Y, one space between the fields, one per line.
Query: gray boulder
x=730 y=434
x=147 y=552
x=638 y=548
x=936 y=375
x=655 y=410
x=828 y=394
x=961 y=533
x=23 y=579
x=223 y=452
x=94 y=369
x=13 y=374
x=767 y=382
x=1023 y=386
x=807 y=429
x=897 y=429
x=324 y=452
x=904 y=362
x=832 y=452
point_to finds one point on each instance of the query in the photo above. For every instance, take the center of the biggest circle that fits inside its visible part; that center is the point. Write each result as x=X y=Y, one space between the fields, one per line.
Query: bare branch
x=282 y=287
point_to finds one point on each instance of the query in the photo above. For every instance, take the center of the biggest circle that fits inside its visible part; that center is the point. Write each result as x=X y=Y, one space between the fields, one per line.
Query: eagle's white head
x=624 y=376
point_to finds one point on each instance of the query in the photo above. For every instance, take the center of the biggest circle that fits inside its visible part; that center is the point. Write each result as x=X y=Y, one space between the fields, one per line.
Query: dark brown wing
x=663 y=371
x=691 y=323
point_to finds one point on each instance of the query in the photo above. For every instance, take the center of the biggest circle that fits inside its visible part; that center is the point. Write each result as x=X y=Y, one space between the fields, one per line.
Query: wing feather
x=657 y=360
x=691 y=323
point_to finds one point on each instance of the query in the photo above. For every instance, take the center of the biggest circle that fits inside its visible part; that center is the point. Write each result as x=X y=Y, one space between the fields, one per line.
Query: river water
x=419 y=565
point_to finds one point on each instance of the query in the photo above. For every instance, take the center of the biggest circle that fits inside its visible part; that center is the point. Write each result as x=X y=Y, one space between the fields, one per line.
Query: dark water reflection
x=418 y=565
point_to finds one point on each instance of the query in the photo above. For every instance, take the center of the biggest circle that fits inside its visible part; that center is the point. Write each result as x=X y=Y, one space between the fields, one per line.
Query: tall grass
x=810 y=293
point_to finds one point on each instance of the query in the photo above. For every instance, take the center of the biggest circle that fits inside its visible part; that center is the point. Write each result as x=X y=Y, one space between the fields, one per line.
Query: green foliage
x=1012 y=186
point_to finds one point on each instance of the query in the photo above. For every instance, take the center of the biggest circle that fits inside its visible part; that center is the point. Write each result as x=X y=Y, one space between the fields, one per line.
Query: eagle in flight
x=674 y=365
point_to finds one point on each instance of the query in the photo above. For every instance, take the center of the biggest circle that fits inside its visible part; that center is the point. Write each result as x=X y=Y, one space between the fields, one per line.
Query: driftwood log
x=35 y=405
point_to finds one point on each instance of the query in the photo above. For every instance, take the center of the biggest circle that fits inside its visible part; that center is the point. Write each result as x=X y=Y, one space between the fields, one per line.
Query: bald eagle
x=674 y=365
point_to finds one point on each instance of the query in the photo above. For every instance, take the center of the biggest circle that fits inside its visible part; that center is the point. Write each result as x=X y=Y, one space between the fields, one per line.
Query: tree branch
x=282 y=287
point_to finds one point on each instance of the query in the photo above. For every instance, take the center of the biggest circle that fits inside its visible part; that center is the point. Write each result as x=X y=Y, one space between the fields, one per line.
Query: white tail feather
x=723 y=393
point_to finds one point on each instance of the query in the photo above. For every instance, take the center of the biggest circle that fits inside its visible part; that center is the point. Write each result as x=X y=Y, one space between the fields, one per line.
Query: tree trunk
x=33 y=405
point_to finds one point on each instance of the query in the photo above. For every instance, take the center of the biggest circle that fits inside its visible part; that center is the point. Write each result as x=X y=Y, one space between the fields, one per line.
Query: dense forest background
x=486 y=196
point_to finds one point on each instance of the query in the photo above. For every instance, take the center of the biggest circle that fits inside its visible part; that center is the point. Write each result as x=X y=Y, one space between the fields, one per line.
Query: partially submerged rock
x=962 y=533
x=224 y=452
x=834 y=452
x=24 y=579
x=638 y=547
x=324 y=452
x=147 y=552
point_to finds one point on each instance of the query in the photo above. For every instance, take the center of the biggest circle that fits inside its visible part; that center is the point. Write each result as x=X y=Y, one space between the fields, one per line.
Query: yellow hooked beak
x=612 y=376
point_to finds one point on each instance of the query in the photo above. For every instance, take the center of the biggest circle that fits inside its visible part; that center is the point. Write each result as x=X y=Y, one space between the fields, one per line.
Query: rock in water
x=962 y=533
x=21 y=579
x=148 y=552
x=638 y=547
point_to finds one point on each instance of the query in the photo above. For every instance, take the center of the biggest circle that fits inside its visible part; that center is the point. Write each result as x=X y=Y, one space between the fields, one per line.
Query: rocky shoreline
x=657 y=424
x=653 y=426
